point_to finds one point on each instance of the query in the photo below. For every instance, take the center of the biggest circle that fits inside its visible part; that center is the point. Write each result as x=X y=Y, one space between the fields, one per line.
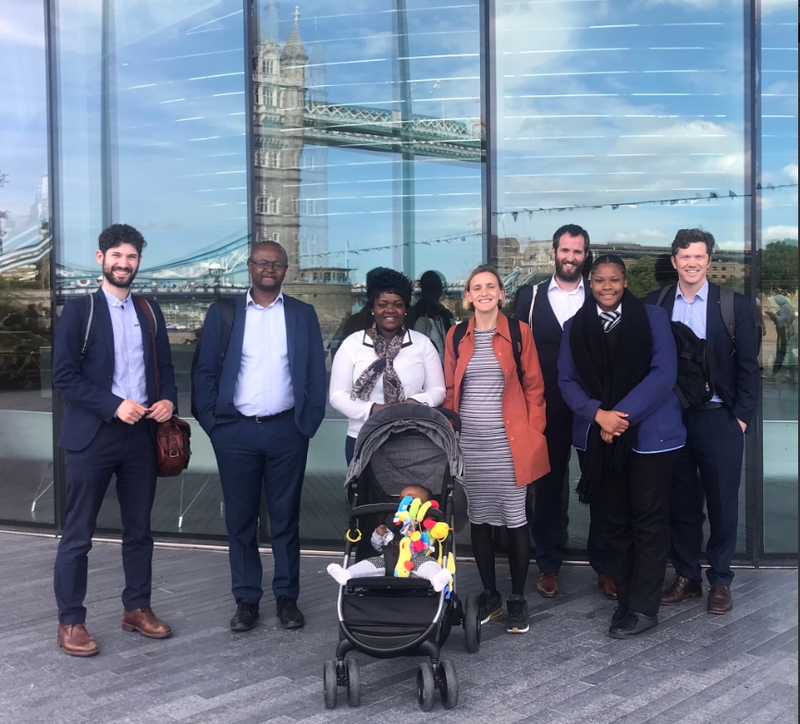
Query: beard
x=108 y=273
x=568 y=274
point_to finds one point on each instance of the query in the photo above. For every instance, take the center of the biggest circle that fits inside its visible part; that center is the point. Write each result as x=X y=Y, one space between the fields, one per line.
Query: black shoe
x=490 y=605
x=632 y=625
x=288 y=613
x=245 y=617
x=517 y=615
x=620 y=614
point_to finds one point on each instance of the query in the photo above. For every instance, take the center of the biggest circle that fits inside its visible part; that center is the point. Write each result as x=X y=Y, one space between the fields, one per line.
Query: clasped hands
x=612 y=424
x=131 y=412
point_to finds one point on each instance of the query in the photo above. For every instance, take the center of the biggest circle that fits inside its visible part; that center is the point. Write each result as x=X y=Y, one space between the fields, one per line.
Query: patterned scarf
x=384 y=365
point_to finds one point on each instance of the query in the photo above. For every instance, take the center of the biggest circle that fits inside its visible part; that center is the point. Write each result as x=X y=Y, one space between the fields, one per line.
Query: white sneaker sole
x=516 y=630
x=492 y=616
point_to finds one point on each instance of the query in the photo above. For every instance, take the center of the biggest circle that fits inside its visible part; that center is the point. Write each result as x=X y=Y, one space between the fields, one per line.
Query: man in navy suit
x=260 y=401
x=109 y=428
x=715 y=432
x=547 y=307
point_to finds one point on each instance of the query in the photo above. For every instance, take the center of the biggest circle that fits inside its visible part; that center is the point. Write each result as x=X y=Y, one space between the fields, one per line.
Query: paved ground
x=693 y=668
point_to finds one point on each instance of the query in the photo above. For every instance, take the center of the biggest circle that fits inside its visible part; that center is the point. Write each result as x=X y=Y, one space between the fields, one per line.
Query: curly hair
x=685 y=237
x=388 y=281
x=118 y=234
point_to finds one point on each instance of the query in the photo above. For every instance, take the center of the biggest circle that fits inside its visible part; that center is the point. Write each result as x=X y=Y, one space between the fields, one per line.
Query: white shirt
x=600 y=310
x=565 y=303
x=264 y=385
x=417 y=365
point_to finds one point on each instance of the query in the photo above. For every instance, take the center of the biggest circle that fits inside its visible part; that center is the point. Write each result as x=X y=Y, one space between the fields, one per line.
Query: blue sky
x=599 y=102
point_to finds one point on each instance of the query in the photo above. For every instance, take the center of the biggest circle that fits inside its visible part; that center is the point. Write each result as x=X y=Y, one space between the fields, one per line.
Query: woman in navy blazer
x=616 y=370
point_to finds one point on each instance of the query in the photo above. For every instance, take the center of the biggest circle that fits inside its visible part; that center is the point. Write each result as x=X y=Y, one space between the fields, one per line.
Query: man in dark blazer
x=260 y=401
x=547 y=307
x=109 y=428
x=715 y=433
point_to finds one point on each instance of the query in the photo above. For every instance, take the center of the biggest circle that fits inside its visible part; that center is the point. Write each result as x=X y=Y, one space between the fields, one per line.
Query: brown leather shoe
x=720 y=600
x=146 y=623
x=607 y=586
x=76 y=641
x=548 y=585
x=679 y=590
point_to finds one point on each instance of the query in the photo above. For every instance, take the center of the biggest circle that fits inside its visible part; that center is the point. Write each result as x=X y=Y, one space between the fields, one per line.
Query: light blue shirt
x=130 y=380
x=693 y=314
x=264 y=385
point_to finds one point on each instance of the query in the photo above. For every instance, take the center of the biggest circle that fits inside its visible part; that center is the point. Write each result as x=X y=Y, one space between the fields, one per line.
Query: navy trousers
x=269 y=456
x=548 y=505
x=714 y=447
x=127 y=451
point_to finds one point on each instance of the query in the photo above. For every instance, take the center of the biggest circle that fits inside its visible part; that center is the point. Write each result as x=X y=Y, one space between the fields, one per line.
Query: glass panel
x=153 y=133
x=779 y=275
x=630 y=126
x=26 y=438
x=367 y=152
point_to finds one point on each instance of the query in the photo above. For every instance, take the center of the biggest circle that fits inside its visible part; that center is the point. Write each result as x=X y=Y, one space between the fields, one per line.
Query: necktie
x=610 y=320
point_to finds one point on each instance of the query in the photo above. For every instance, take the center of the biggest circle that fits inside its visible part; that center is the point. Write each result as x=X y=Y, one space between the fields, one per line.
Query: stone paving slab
x=694 y=668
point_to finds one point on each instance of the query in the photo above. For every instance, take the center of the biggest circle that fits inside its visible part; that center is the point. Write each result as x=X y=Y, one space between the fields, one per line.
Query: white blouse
x=417 y=365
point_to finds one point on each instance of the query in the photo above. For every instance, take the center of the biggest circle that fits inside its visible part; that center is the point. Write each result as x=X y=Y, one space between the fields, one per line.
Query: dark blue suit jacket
x=653 y=402
x=87 y=385
x=214 y=399
x=737 y=372
x=547 y=335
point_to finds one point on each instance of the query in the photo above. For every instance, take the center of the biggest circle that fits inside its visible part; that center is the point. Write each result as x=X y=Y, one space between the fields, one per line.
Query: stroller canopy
x=409 y=444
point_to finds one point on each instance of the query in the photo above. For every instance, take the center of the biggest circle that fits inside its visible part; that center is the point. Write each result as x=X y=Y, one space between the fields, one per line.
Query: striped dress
x=491 y=484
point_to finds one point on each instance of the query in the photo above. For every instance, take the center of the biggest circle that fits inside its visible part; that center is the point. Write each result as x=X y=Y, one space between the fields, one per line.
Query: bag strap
x=663 y=295
x=516 y=344
x=227 y=307
x=533 y=299
x=88 y=322
x=151 y=322
x=726 y=298
x=458 y=335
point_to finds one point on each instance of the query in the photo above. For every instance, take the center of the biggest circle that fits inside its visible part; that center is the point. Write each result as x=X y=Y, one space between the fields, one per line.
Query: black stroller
x=387 y=616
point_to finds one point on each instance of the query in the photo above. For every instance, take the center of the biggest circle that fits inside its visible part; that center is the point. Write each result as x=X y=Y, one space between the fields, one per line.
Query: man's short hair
x=572 y=230
x=685 y=237
x=275 y=245
x=119 y=234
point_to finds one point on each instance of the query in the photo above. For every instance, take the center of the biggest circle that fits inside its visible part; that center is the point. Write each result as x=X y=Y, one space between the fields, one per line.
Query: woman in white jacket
x=386 y=363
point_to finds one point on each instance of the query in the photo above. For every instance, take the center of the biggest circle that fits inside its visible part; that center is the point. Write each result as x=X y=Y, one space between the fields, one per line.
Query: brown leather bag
x=173 y=449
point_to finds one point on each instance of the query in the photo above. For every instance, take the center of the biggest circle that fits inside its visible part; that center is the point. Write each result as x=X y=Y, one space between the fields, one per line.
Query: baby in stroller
x=386 y=540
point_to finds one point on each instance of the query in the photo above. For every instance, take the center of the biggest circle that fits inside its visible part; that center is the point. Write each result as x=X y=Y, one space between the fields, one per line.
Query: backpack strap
x=458 y=335
x=227 y=308
x=516 y=345
x=533 y=299
x=726 y=297
x=88 y=324
x=663 y=295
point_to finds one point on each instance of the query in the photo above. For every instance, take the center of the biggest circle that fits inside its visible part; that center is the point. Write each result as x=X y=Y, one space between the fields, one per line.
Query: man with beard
x=104 y=366
x=260 y=401
x=547 y=307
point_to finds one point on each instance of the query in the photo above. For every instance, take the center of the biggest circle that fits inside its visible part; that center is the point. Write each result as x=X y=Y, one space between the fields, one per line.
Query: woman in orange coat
x=502 y=437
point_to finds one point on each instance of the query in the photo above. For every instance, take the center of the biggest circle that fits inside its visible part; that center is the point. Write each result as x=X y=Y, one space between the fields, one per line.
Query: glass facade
x=26 y=428
x=401 y=133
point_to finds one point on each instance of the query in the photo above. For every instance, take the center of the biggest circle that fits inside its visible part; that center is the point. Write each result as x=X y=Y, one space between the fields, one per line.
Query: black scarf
x=609 y=376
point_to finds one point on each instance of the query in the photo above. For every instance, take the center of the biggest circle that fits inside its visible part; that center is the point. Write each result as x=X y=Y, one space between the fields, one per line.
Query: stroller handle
x=453 y=417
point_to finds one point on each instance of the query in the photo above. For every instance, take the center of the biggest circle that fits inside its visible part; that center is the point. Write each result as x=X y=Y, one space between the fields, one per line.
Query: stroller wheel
x=426 y=686
x=448 y=684
x=330 y=684
x=472 y=624
x=353 y=682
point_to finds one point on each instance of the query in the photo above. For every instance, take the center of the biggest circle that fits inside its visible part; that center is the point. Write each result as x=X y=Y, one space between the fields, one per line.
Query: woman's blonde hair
x=482 y=269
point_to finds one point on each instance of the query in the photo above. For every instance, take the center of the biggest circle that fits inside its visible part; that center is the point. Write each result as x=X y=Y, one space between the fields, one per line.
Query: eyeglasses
x=264 y=265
